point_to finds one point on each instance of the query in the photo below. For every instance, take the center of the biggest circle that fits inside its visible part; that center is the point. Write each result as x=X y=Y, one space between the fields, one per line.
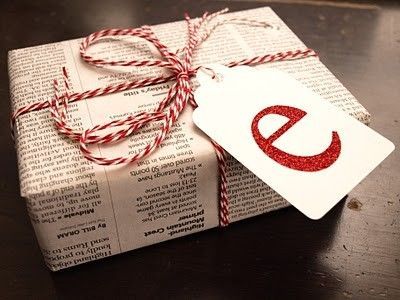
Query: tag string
x=178 y=64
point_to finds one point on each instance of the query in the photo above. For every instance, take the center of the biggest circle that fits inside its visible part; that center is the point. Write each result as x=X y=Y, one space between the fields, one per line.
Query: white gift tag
x=303 y=147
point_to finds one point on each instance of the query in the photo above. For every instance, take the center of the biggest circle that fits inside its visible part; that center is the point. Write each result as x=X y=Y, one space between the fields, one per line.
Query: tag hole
x=217 y=77
x=214 y=75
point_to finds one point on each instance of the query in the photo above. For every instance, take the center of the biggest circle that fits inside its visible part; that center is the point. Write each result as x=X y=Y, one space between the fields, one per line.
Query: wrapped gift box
x=82 y=211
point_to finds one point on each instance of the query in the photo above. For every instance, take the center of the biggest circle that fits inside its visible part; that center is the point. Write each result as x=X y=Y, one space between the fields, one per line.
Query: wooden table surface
x=353 y=252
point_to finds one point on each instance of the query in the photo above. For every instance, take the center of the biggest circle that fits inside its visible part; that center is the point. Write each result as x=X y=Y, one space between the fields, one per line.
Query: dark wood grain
x=352 y=252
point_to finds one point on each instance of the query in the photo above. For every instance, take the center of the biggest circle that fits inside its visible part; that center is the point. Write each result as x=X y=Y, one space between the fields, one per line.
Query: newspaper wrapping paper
x=82 y=211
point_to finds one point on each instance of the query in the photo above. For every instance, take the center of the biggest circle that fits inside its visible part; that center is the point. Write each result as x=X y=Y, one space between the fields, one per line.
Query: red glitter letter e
x=302 y=163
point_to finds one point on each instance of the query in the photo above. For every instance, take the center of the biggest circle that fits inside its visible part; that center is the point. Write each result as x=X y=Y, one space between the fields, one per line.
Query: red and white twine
x=180 y=67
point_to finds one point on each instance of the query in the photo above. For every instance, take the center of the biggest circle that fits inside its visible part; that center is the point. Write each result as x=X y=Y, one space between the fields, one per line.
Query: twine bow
x=179 y=65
